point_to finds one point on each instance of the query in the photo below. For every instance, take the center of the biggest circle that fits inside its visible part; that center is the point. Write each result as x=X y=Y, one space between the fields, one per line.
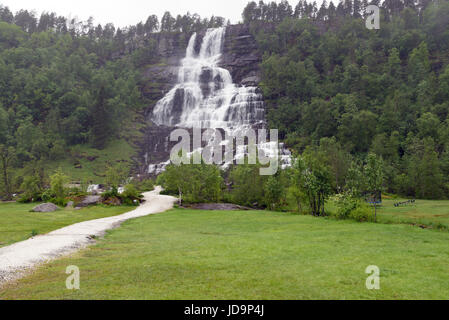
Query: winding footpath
x=18 y=258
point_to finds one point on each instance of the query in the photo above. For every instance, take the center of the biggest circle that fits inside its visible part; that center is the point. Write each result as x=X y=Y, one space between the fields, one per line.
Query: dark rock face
x=177 y=104
x=241 y=55
x=205 y=78
x=156 y=146
x=161 y=77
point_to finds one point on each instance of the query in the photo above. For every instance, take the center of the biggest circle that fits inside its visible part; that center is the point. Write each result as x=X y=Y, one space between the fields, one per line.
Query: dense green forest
x=344 y=97
x=326 y=76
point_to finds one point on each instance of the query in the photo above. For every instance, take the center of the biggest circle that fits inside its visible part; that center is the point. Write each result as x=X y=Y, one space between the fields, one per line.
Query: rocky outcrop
x=216 y=206
x=88 y=201
x=160 y=77
x=241 y=55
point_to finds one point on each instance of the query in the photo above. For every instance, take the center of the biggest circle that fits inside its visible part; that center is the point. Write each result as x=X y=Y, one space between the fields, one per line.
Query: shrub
x=47 y=195
x=350 y=207
x=346 y=203
x=131 y=196
x=31 y=189
x=193 y=183
x=112 y=193
x=57 y=182
x=362 y=213
x=62 y=202
x=273 y=192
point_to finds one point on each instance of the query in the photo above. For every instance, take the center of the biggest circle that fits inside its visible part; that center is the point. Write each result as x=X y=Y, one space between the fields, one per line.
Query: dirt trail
x=18 y=258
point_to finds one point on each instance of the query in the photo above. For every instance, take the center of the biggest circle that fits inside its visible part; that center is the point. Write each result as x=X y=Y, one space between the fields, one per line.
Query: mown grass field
x=188 y=254
x=17 y=223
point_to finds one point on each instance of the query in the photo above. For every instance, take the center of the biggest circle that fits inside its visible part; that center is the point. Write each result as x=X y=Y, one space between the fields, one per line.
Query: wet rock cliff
x=240 y=56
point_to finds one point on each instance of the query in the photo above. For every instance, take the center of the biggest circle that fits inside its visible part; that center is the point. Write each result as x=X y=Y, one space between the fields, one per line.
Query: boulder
x=88 y=201
x=45 y=207
x=217 y=206
x=70 y=204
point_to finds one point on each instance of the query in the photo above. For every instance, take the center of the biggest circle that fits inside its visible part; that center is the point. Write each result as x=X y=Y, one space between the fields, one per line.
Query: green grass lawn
x=188 y=254
x=18 y=223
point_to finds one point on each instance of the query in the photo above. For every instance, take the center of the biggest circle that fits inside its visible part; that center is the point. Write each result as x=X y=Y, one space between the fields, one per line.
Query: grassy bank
x=432 y=214
x=85 y=164
x=17 y=223
x=188 y=254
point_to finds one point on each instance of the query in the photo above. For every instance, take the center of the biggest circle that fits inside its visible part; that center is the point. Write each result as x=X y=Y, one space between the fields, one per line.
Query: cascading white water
x=205 y=96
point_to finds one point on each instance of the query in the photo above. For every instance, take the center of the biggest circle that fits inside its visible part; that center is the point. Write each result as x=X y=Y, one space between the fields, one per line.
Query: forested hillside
x=331 y=87
x=66 y=83
x=329 y=81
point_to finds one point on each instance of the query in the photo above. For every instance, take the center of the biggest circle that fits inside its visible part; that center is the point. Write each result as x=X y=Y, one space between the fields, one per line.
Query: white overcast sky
x=129 y=12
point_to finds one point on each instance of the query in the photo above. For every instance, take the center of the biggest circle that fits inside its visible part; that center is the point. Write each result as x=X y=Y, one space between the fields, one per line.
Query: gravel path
x=18 y=258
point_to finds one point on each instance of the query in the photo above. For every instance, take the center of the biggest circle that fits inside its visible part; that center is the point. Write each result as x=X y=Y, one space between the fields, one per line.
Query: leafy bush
x=200 y=183
x=273 y=192
x=112 y=193
x=31 y=189
x=247 y=185
x=131 y=196
x=346 y=203
x=62 y=202
x=57 y=182
x=363 y=213
x=350 y=207
x=47 y=195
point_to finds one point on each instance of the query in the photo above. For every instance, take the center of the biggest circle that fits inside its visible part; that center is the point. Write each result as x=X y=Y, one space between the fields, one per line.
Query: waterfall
x=205 y=96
